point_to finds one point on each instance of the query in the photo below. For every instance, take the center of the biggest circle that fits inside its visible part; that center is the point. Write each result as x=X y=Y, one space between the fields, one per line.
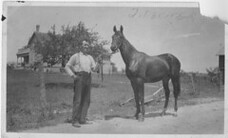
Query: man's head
x=85 y=47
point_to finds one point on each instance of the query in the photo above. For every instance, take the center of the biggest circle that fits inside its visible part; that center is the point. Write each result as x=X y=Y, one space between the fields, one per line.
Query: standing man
x=79 y=67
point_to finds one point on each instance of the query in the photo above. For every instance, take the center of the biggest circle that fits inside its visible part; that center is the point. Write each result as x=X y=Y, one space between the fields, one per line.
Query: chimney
x=37 y=28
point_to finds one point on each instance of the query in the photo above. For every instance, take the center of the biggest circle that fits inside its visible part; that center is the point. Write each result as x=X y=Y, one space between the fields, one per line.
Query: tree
x=72 y=38
x=213 y=74
x=59 y=47
x=49 y=49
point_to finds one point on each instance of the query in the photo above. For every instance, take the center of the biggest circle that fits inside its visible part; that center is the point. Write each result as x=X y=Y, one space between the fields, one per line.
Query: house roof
x=40 y=36
x=23 y=51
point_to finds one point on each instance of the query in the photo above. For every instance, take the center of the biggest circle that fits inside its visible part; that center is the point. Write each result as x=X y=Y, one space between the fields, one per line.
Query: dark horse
x=142 y=68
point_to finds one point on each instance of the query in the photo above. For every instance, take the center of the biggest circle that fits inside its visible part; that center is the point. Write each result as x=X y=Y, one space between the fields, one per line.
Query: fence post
x=220 y=80
x=43 y=99
x=102 y=73
x=193 y=83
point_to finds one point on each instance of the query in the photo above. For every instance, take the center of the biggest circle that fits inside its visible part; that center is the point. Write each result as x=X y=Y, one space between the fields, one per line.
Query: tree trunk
x=63 y=61
x=102 y=73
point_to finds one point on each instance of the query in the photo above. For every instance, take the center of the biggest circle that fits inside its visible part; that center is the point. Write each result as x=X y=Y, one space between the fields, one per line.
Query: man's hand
x=75 y=77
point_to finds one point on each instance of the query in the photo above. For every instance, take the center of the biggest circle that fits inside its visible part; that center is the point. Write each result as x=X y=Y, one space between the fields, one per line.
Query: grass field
x=23 y=103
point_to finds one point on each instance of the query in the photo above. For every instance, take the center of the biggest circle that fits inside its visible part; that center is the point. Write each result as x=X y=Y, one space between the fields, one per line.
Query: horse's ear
x=114 y=28
x=121 y=29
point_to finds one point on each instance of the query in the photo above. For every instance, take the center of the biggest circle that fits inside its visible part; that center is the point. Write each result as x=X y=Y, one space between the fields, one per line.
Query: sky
x=193 y=38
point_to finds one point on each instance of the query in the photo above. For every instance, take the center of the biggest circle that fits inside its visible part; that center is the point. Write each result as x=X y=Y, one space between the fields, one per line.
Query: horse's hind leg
x=176 y=90
x=165 y=82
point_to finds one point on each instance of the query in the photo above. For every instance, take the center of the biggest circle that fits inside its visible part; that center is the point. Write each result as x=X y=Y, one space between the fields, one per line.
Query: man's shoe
x=76 y=124
x=87 y=119
x=85 y=122
x=68 y=120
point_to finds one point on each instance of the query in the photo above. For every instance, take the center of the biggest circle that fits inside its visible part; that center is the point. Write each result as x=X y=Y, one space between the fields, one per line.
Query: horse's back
x=153 y=68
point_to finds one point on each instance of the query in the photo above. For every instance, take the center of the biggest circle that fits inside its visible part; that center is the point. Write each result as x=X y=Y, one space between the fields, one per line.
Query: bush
x=11 y=66
x=213 y=74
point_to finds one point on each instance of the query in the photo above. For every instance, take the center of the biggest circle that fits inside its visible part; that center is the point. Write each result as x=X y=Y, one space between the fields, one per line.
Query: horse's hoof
x=140 y=118
x=136 y=117
x=163 y=113
x=175 y=114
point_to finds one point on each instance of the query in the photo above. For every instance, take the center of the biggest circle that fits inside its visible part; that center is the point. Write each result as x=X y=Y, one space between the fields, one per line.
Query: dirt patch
x=198 y=119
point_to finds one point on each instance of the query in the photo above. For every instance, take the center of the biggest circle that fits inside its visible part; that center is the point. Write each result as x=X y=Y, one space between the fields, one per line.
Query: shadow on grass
x=68 y=85
x=109 y=117
x=148 y=115
x=158 y=114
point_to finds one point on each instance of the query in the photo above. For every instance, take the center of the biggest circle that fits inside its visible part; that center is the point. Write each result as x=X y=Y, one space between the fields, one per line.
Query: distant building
x=221 y=55
x=26 y=56
x=107 y=65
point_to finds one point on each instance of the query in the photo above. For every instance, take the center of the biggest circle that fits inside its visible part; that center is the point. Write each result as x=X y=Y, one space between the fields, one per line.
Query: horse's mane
x=127 y=43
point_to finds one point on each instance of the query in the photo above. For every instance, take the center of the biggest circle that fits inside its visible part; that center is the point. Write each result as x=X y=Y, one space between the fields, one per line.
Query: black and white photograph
x=152 y=67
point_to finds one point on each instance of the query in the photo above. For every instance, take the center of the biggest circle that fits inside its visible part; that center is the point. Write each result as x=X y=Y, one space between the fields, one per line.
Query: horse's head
x=117 y=39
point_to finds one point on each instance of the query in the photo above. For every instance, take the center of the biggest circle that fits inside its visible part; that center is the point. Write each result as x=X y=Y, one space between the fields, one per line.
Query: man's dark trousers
x=81 y=99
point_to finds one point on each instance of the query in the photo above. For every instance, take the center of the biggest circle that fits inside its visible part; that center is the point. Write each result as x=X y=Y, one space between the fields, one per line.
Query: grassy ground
x=23 y=103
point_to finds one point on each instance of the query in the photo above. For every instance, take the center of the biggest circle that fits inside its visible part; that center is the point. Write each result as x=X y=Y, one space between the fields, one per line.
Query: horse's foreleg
x=167 y=92
x=136 y=95
x=141 y=101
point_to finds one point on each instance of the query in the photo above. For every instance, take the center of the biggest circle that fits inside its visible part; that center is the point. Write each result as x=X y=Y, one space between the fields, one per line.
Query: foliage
x=11 y=65
x=213 y=74
x=47 y=50
x=72 y=38
x=59 y=47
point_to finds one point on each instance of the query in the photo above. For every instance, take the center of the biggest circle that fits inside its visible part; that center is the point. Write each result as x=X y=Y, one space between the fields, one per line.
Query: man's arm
x=69 y=67
x=95 y=66
x=69 y=71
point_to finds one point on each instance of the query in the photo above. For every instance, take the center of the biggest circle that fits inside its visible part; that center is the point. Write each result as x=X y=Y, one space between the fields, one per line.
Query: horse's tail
x=175 y=67
x=176 y=85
